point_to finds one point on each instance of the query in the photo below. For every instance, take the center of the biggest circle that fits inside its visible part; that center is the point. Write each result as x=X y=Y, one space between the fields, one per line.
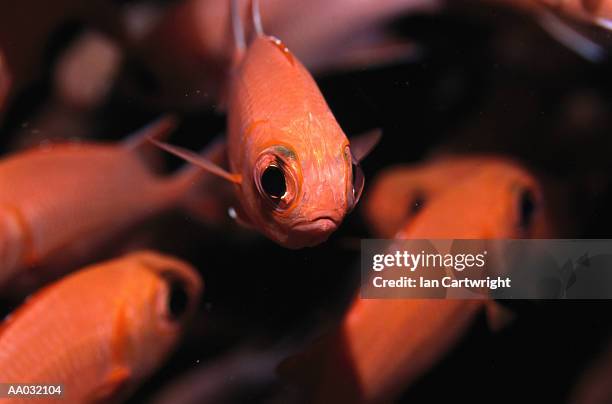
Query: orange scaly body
x=386 y=344
x=100 y=344
x=75 y=196
x=277 y=116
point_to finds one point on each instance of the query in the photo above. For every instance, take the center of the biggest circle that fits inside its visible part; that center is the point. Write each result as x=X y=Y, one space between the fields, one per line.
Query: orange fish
x=398 y=193
x=73 y=197
x=383 y=345
x=100 y=331
x=295 y=173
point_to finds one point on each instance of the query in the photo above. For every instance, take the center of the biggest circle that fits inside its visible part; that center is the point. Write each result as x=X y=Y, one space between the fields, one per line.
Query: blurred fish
x=399 y=193
x=82 y=80
x=5 y=81
x=295 y=173
x=25 y=34
x=69 y=198
x=383 y=345
x=185 y=57
x=102 y=330
x=86 y=70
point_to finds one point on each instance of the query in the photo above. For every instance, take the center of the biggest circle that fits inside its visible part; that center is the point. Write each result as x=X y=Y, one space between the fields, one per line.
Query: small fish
x=73 y=197
x=383 y=345
x=399 y=193
x=102 y=330
x=25 y=45
x=295 y=173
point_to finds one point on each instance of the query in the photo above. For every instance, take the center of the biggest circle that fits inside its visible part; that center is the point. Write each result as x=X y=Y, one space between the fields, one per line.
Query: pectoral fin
x=239 y=217
x=197 y=160
x=362 y=145
x=111 y=386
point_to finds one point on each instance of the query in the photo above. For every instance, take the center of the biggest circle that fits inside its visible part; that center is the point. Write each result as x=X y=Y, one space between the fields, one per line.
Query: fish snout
x=313 y=231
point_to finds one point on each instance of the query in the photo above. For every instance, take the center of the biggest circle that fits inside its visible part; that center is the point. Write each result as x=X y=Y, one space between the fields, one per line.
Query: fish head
x=300 y=191
x=500 y=200
x=162 y=298
x=399 y=193
x=395 y=197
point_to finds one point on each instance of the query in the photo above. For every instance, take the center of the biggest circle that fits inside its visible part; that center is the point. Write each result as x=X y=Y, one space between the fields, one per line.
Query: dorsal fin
x=158 y=129
x=237 y=27
x=256 y=15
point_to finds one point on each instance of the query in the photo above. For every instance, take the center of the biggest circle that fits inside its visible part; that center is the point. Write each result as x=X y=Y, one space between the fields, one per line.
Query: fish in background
x=26 y=27
x=82 y=79
x=102 y=330
x=5 y=81
x=184 y=59
x=383 y=345
x=398 y=193
x=61 y=202
x=295 y=173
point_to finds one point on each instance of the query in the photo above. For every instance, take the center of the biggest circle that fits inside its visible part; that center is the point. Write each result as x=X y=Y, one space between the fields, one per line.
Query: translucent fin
x=362 y=145
x=158 y=129
x=197 y=160
x=237 y=27
x=571 y=38
x=257 y=18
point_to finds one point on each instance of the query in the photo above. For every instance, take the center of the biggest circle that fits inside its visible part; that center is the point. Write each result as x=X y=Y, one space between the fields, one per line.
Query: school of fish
x=100 y=322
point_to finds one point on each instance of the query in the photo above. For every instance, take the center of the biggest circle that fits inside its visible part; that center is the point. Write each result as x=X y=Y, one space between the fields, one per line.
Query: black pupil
x=178 y=301
x=527 y=208
x=417 y=203
x=273 y=182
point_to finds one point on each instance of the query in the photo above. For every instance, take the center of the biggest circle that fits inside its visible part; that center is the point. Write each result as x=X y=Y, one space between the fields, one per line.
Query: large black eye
x=178 y=299
x=273 y=182
x=416 y=204
x=527 y=207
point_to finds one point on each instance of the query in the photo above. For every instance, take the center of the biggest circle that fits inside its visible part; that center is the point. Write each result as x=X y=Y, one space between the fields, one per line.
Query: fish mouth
x=320 y=225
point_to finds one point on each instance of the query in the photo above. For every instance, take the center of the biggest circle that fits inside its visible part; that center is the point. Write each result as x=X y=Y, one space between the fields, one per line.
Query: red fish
x=70 y=198
x=102 y=330
x=295 y=173
x=383 y=345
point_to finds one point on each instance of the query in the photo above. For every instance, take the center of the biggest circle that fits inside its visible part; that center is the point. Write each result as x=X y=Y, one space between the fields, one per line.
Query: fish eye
x=416 y=203
x=178 y=299
x=273 y=182
x=277 y=177
x=526 y=209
